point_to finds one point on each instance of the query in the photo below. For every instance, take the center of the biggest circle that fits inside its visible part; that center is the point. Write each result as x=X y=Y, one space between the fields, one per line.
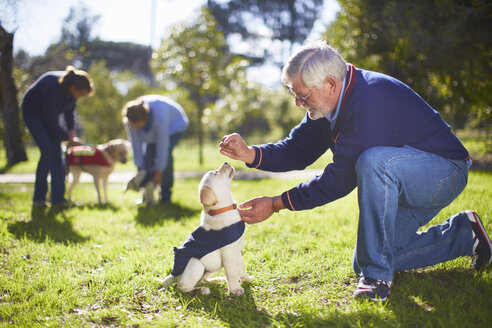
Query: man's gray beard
x=316 y=115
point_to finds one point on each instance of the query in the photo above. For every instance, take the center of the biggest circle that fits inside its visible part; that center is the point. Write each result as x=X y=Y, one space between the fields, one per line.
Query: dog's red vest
x=86 y=155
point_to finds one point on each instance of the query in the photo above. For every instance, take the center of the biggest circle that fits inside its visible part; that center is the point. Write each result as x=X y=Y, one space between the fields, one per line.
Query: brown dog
x=98 y=161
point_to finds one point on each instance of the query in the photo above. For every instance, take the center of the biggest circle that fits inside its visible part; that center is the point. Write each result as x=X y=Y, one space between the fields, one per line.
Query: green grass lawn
x=185 y=159
x=100 y=266
x=186 y=155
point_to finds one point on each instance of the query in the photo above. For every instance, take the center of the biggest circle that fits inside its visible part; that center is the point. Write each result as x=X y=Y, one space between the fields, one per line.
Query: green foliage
x=96 y=265
x=100 y=115
x=266 y=29
x=121 y=57
x=195 y=58
x=77 y=27
x=251 y=109
x=441 y=48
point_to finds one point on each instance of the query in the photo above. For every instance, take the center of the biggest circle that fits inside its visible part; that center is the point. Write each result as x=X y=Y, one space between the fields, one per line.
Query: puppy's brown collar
x=222 y=210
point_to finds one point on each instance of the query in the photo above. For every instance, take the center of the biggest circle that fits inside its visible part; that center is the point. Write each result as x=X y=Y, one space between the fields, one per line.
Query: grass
x=478 y=143
x=100 y=266
x=185 y=155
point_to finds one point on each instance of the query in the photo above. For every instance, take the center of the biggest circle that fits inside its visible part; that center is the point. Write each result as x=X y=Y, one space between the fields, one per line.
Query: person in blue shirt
x=155 y=124
x=390 y=144
x=53 y=94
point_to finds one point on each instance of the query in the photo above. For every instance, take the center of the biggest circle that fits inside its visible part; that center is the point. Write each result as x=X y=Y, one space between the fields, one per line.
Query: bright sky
x=38 y=22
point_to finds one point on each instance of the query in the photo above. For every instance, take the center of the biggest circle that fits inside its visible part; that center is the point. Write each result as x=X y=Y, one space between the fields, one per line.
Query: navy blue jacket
x=46 y=100
x=376 y=110
x=201 y=242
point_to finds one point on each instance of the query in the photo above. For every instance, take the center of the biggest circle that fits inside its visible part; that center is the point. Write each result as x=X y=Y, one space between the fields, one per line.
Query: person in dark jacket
x=53 y=94
x=387 y=141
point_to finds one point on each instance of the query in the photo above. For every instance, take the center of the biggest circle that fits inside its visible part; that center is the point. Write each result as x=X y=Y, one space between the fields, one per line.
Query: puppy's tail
x=168 y=281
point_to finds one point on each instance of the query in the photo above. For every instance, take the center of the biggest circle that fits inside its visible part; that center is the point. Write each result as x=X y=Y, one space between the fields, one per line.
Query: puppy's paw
x=205 y=290
x=238 y=291
x=246 y=278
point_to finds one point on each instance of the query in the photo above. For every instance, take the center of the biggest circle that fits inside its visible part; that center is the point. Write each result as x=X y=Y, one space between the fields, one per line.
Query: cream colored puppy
x=98 y=161
x=216 y=243
x=148 y=189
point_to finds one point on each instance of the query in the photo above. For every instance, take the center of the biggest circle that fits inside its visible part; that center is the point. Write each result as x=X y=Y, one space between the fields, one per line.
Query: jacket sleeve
x=49 y=112
x=70 y=119
x=304 y=145
x=339 y=178
x=137 y=144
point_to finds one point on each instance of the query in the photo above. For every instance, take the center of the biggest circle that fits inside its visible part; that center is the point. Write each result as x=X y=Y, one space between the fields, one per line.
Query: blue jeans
x=168 y=173
x=50 y=160
x=400 y=190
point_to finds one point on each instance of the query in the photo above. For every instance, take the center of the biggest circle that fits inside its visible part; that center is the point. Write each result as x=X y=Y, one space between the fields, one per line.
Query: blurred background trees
x=441 y=48
x=266 y=30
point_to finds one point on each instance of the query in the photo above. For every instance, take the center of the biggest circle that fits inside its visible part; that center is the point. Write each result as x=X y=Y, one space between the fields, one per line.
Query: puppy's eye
x=215 y=172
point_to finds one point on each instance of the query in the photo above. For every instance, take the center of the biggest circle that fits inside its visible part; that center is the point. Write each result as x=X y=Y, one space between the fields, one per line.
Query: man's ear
x=331 y=84
x=207 y=196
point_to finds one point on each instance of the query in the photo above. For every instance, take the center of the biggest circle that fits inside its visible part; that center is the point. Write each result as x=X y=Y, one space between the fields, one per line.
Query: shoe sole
x=473 y=217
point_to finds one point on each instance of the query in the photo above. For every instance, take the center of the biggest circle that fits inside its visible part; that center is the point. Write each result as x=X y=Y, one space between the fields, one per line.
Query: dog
x=99 y=161
x=202 y=255
x=148 y=189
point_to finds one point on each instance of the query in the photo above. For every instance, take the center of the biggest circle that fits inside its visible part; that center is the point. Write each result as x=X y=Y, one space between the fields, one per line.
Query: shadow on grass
x=97 y=206
x=443 y=297
x=243 y=311
x=158 y=214
x=51 y=224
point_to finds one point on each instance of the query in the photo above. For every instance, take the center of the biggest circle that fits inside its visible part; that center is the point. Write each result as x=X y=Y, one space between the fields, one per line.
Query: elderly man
x=387 y=141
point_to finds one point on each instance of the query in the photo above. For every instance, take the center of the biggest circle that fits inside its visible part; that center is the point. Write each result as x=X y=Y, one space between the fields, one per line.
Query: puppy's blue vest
x=201 y=242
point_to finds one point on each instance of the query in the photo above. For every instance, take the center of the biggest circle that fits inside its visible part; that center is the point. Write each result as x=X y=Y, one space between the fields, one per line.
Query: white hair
x=314 y=62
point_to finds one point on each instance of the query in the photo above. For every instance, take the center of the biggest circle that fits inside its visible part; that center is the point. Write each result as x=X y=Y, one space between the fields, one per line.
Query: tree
x=76 y=32
x=79 y=47
x=13 y=141
x=441 y=48
x=121 y=56
x=251 y=109
x=264 y=27
x=195 y=58
x=100 y=115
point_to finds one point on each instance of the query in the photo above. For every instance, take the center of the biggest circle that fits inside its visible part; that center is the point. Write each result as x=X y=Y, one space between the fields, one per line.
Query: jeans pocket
x=449 y=187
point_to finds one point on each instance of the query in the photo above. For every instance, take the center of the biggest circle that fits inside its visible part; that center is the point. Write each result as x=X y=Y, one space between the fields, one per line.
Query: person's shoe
x=372 y=289
x=39 y=203
x=61 y=205
x=482 y=246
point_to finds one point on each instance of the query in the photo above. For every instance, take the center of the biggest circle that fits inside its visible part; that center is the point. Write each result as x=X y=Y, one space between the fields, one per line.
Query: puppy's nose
x=226 y=163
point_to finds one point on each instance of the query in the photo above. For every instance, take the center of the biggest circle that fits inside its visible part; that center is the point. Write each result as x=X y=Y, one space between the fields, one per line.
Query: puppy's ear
x=207 y=196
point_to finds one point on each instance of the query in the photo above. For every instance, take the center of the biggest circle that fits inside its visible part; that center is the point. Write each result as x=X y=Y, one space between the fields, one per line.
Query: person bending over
x=155 y=124
x=52 y=94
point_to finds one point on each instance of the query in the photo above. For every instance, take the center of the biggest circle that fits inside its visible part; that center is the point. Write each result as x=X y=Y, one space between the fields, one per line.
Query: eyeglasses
x=303 y=99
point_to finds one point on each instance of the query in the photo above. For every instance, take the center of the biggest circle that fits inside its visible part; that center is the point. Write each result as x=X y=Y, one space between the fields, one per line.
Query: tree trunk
x=200 y=108
x=13 y=141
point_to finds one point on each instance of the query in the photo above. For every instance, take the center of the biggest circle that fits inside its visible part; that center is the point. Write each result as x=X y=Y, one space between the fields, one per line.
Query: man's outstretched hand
x=233 y=146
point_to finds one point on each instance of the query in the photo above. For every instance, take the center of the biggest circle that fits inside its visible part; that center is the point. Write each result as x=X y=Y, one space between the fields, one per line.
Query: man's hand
x=256 y=210
x=233 y=146
x=157 y=178
x=72 y=142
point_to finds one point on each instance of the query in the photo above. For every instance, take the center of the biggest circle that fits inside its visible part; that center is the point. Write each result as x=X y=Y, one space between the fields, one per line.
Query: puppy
x=148 y=189
x=216 y=243
x=98 y=161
